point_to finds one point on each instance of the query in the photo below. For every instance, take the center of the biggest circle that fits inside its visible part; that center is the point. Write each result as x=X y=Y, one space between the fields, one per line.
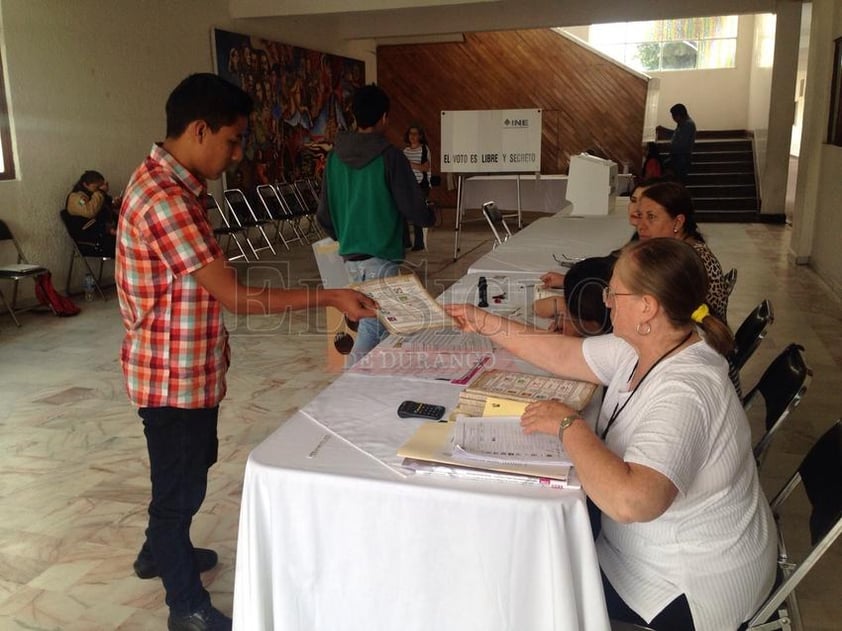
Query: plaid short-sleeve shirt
x=175 y=352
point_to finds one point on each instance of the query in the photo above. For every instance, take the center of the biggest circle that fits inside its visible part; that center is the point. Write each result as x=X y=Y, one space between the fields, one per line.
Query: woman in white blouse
x=687 y=540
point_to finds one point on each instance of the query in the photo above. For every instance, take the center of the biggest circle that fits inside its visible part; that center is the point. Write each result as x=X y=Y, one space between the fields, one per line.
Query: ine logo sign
x=491 y=141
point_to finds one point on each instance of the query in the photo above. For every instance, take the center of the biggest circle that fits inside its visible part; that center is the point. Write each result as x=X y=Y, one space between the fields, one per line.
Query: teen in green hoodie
x=368 y=191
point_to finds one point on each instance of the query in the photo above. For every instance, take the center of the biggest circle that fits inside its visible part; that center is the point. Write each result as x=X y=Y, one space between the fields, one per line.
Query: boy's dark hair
x=679 y=110
x=368 y=105
x=583 y=285
x=207 y=97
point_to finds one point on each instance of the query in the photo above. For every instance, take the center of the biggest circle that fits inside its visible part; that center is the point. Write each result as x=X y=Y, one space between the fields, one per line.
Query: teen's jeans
x=370 y=331
x=182 y=446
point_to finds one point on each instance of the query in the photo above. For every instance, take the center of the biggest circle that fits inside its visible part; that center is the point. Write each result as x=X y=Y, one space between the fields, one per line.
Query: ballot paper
x=502 y=439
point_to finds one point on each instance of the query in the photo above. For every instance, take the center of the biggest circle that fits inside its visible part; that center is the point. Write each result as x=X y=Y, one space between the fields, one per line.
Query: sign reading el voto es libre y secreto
x=491 y=141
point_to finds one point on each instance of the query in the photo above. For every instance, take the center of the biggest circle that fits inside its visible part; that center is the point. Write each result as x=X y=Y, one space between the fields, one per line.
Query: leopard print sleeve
x=717 y=298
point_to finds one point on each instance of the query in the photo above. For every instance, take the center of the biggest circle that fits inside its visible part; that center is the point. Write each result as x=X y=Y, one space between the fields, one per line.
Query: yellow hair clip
x=700 y=313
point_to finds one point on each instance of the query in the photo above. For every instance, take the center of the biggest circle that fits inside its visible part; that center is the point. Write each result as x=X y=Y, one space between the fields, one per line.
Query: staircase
x=721 y=179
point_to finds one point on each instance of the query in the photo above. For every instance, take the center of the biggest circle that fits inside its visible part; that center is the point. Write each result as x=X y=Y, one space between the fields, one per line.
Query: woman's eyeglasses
x=565 y=261
x=609 y=294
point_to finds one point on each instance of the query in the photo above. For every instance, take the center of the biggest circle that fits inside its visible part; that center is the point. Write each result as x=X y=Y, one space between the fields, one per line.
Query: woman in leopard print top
x=666 y=210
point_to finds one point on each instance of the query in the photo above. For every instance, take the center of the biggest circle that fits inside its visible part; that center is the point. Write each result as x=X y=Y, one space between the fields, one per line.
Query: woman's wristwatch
x=566 y=422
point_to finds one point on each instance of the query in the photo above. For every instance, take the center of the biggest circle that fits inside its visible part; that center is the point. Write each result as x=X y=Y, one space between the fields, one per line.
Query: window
x=687 y=44
x=7 y=164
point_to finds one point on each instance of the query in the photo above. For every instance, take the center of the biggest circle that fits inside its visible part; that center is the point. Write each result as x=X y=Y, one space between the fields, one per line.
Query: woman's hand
x=553 y=280
x=544 y=416
x=469 y=318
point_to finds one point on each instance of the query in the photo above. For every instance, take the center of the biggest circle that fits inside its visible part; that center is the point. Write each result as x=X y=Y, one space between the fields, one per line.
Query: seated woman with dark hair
x=666 y=210
x=688 y=540
x=556 y=279
x=93 y=212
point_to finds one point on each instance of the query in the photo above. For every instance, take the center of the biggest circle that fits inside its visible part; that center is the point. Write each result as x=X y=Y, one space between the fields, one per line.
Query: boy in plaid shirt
x=172 y=282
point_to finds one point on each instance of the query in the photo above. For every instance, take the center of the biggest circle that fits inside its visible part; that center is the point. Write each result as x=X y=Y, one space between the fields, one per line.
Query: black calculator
x=414 y=409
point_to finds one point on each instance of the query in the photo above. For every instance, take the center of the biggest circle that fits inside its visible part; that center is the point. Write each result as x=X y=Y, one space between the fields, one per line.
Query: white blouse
x=716 y=543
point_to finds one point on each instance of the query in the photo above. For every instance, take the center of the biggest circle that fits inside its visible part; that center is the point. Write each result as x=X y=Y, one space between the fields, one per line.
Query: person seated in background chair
x=93 y=212
x=581 y=311
x=652 y=165
x=687 y=538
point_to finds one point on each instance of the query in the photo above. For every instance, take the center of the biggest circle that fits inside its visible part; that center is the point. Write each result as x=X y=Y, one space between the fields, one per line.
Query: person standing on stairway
x=681 y=143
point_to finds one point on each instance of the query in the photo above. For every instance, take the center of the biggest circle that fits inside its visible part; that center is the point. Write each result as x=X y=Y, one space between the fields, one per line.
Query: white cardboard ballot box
x=591 y=185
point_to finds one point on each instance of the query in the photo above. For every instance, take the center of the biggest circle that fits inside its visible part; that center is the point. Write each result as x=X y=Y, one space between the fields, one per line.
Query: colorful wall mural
x=301 y=98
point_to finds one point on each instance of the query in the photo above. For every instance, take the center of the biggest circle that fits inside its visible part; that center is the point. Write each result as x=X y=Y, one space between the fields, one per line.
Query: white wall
x=87 y=82
x=818 y=200
x=693 y=87
x=760 y=72
x=760 y=84
x=724 y=106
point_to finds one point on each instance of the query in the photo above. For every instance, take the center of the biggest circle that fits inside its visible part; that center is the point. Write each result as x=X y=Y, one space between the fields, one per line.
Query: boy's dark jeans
x=182 y=446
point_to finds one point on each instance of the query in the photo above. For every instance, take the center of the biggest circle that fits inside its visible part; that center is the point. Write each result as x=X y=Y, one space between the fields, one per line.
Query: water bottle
x=89 y=287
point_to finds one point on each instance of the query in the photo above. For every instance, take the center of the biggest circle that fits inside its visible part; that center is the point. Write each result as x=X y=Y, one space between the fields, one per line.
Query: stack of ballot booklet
x=487 y=448
x=499 y=392
x=486 y=440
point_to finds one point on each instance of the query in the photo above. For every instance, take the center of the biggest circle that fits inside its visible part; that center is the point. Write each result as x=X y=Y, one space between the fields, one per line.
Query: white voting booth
x=591 y=185
x=486 y=142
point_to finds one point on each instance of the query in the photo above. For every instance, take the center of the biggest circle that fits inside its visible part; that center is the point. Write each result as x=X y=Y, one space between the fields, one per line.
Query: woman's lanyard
x=619 y=408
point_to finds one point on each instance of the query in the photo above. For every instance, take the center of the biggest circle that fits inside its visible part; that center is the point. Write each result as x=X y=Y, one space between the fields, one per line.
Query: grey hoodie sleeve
x=323 y=211
x=405 y=190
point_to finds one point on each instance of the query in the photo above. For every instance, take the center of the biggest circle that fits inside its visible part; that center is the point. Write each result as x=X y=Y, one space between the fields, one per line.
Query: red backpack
x=47 y=295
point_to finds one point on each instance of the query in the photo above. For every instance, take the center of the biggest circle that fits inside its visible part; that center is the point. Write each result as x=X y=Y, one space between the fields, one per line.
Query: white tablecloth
x=530 y=251
x=331 y=539
x=333 y=535
x=545 y=194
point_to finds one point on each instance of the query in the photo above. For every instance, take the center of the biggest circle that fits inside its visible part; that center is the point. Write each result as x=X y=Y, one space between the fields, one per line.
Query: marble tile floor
x=73 y=465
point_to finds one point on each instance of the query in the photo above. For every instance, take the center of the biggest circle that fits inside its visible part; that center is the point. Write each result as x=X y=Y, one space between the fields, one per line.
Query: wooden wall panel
x=587 y=101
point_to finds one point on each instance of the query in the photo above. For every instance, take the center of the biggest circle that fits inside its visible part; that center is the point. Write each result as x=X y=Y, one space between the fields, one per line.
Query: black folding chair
x=821 y=474
x=781 y=387
x=15 y=271
x=276 y=209
x=495 y=218
x=298 y=211
x=730 y=281
x=308 y=200
x=225 y=228
x=751 y=332
x=85 y=247
x=244 y=216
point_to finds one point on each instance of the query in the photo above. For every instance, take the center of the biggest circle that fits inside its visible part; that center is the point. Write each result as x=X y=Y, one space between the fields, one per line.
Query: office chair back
x=821 y=474
x=751 y=332
x=782 y=387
